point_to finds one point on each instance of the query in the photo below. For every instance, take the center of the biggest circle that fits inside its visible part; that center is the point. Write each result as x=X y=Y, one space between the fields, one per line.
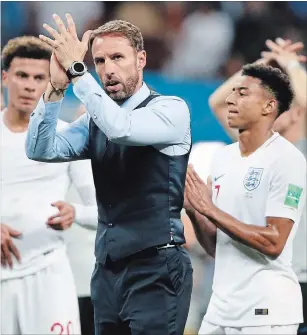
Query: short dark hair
x=24 y=47
x=121 y=28
x=275 y=81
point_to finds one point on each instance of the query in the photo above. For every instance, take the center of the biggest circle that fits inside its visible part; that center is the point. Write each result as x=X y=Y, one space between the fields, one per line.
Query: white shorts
x=41 y=303
x=211 y=329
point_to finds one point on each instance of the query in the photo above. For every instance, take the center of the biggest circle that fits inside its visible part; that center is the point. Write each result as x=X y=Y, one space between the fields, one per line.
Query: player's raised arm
x=217 y=100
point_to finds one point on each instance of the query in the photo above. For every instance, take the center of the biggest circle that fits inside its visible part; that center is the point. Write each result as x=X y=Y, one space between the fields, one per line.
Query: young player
x=38 y=294
x=258 y=192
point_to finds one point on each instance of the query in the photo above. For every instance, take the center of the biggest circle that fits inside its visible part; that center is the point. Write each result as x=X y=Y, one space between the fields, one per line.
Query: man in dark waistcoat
x=139 y=143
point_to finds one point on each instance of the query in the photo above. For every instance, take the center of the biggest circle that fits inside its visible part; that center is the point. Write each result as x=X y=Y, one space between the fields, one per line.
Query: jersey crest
x=252 y=178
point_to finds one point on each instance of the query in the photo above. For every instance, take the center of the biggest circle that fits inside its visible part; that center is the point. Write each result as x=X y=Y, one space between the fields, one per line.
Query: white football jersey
x=28 y=188
x=249 y=288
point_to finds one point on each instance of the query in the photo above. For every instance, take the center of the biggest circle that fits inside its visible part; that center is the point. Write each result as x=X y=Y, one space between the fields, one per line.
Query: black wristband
x=58 y=91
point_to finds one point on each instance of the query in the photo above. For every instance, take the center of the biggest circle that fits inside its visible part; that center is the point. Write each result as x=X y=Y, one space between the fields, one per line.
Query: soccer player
x=291 y=125
x=249 y=212
x=38 y=294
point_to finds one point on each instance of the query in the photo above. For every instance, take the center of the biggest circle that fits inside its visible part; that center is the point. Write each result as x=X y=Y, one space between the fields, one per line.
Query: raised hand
x=66 y=44
x=287 y=45
x=282 y=44
x=283 y=53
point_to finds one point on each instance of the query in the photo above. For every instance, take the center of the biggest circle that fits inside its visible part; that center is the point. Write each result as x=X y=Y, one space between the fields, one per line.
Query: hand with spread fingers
x=288 y=45
x=287 y=57
x=66 y=44
x=285 y=45
x=64 y=218
x=284 y=52
x=197 y=193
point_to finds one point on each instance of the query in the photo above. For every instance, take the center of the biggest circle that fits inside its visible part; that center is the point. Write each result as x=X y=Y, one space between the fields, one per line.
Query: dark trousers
x=86 y=310
x=147 y=293
x=303 y=326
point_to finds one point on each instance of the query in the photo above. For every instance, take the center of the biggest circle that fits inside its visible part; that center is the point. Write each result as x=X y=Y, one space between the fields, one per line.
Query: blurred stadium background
x=192 y=47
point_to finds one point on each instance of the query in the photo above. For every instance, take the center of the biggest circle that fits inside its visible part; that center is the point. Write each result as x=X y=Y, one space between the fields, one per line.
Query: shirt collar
x=137 y=98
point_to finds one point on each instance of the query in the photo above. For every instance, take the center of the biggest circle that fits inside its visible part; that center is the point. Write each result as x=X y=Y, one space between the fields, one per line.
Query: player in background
x=37 y=284
x=289 y=61
x=292 y=125
x=248 y=214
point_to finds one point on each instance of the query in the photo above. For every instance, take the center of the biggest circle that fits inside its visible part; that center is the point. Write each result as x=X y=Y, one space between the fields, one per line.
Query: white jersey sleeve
x=81 y=176
x=287 y=193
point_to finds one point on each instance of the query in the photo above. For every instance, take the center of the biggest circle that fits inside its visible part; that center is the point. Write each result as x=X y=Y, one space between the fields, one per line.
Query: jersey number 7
x=217 y=187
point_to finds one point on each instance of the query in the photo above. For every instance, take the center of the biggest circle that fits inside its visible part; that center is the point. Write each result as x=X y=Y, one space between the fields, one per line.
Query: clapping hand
x=197 y=193
x=66 y=44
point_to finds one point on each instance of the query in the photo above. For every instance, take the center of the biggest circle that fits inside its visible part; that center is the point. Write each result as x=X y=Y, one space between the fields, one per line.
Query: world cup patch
x=252 y=178
x=293 y=196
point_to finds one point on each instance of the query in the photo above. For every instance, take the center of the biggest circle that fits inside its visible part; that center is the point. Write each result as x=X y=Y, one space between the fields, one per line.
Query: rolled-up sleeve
x=164 y=121
x=45 y=144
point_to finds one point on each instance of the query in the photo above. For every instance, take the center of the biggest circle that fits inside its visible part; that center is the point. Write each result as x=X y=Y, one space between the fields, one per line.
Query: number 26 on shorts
x=59 y=329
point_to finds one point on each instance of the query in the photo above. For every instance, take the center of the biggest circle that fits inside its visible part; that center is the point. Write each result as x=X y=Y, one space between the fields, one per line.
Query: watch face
x=78 y=67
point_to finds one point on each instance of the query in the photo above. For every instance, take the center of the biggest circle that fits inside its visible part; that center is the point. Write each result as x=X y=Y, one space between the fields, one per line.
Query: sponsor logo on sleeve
x=293 y=196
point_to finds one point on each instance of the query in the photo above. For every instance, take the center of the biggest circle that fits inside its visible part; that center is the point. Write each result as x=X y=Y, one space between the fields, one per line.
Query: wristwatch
x=76 y=69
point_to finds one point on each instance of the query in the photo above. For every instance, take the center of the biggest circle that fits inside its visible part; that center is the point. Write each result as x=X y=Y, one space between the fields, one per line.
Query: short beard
x=127 y=91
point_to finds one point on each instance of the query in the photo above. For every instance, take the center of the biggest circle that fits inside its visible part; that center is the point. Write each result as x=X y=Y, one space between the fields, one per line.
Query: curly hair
x=121 y=28
x=24 y=47
x=275 y=81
